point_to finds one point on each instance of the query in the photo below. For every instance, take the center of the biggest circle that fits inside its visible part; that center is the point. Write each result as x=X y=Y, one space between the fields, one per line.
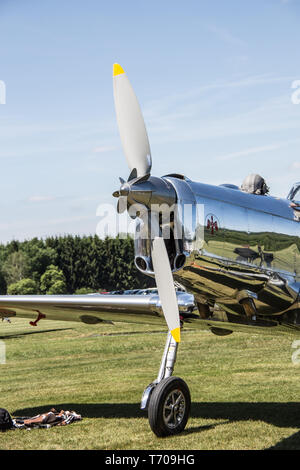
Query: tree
x=23 y=287
x=3 y=285
x=58 y=288
x=83 y=262
x=39 y=258
x=14 y=267
x=53 y=281
x=83 y=291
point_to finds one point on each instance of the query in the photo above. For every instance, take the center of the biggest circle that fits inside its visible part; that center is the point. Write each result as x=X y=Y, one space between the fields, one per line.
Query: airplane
x=235 y=250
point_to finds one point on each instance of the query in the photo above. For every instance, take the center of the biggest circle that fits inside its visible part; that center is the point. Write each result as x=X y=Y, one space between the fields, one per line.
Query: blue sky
x=213 y=79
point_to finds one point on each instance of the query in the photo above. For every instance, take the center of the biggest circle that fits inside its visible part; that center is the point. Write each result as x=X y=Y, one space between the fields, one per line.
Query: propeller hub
x=149 y=192
x=125 y=189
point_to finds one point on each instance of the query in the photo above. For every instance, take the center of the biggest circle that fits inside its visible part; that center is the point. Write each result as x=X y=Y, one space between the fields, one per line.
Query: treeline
x=69 y=264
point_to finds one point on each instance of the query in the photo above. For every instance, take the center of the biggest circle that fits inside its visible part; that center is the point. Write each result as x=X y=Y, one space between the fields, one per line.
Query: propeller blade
x=131 y=124
x=122 y=204
x=165 y=286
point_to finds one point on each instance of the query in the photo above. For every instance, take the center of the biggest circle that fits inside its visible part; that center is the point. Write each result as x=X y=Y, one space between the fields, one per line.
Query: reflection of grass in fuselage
x=209 y=280
x=270 y=240
x=215 y=247
x=284 y=248
x=287 y=258
x=283 y=259
x=262 y=254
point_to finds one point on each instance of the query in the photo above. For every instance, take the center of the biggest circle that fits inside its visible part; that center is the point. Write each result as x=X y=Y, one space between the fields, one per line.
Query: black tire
x=169 y=407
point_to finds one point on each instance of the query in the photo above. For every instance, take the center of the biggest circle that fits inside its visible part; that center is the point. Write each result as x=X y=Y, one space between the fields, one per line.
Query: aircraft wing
x=91 y=308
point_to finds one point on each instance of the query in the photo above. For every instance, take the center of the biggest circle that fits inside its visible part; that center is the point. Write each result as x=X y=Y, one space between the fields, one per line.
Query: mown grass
x=244 y=388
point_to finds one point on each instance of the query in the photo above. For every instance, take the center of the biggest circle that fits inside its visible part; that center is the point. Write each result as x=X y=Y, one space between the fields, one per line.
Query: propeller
x=165 y=286
x=131 y=124
x=136 y=148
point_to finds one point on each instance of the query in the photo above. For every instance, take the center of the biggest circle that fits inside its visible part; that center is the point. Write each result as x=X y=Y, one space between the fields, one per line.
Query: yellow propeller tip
x=176 y=334
x=117 y=70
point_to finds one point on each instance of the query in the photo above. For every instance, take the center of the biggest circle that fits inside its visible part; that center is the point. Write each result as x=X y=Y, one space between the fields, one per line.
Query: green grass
x=244 y=388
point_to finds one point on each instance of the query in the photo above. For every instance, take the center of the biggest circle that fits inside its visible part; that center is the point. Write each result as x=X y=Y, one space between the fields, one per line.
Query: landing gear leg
x=168 y=398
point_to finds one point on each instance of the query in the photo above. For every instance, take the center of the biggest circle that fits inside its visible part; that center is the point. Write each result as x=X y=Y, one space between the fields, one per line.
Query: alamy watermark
x=2 y=352
x=296 y=354
x=177 y=221
x=295 y=98
x=2 y=92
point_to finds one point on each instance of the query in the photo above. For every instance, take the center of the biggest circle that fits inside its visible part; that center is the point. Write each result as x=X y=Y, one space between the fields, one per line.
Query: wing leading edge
x=90 y=309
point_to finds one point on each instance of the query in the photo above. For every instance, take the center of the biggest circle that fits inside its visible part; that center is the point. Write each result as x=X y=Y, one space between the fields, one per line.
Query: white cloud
x=195 y=119
x=255 y=150
x=225 y=35
x=41 y=198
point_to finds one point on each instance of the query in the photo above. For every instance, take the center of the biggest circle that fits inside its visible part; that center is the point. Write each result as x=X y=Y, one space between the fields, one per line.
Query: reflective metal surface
x=238 y=254
x=92 y=309
x=239 y=246
x=253 y=252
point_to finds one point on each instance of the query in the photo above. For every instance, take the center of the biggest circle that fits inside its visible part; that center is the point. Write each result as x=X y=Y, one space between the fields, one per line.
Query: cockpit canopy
x=294 y=194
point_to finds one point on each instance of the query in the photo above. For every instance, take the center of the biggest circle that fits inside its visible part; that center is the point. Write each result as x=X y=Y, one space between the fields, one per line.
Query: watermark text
x=295 y=98
x=178 y=221
x=2 y=352
x=2 y=92
x=296 y=354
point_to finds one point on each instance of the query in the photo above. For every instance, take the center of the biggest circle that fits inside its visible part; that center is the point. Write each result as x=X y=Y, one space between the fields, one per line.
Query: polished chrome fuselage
x=239 y=247
x=237 y=254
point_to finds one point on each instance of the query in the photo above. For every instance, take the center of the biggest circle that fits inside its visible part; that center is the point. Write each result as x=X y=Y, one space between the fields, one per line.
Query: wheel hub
x=174 y=409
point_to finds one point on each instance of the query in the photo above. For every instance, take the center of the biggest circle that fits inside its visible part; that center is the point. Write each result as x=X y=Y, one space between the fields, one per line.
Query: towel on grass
x=47 y=420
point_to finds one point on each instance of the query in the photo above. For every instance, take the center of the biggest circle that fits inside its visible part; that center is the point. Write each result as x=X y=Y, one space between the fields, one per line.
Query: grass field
x=245 y=388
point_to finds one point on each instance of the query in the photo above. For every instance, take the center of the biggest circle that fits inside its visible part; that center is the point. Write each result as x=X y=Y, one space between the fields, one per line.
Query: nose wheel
x=169 y=407
x=168 y=398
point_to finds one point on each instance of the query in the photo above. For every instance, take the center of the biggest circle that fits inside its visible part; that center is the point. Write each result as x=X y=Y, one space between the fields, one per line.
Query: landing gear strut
x=168 y=398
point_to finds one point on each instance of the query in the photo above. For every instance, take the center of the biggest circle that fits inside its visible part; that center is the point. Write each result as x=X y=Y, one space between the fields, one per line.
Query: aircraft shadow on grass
x=19 y=335
x=278 y=414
